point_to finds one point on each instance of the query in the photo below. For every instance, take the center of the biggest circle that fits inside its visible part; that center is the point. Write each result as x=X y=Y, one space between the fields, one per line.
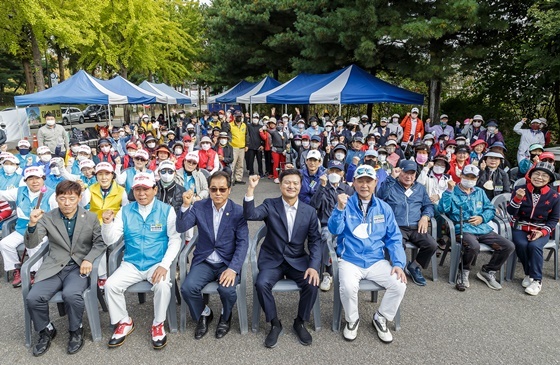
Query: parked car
x=72 y=115
x=96 y=112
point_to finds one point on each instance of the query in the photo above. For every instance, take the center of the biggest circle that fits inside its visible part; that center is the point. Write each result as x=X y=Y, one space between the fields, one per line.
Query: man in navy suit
x=290 y=223
x=219 y=254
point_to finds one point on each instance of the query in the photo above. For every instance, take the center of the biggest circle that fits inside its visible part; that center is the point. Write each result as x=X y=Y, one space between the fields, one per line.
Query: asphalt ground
x=439 y=326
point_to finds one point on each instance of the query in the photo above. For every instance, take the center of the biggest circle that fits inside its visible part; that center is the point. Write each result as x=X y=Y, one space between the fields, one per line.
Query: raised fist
x=34 y=216
x=187 y=198
x=342 y=200
x=450 y=184
x=108 y=216
x=520 y=193
x=253 y=181
x=324 y=180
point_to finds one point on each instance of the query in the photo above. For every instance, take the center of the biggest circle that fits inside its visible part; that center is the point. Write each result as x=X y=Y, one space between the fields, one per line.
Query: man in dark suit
x=219 y=254
x=290 y=223
x=74 y=243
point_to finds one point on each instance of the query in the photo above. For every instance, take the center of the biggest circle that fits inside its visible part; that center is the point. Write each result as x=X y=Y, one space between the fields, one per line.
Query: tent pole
x=422 y=113
x=168 y=116
x=109 y=113
x=339 y=109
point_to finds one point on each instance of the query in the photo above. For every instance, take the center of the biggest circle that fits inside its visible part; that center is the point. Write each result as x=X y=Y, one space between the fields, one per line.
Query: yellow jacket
x=112 y=201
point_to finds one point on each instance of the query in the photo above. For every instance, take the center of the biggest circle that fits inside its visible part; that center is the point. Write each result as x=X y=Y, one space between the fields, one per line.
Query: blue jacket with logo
x=309 y=184
x=474 y=204
x=382 y=233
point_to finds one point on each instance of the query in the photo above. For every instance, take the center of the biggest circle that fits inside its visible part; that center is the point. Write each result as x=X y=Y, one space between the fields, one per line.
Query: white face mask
x=468 y=184
x=305 y=143
x=313 y=124
x=255 y=120
x=328 y=129
x=297 y=143
x=105 y=149
x=395 y=120
x=51 y=122
x=301 y=126
x=315 y=145
x=75 y=149
x=81 y=158
x=45 y=158
x=491 y=130
x=439 y=170
x=55 y=171
x=339 y=156
x=285 y=120
x=167 y=178
x=382 y=158
x=371 y=143
x=151 y=145
x=340 y=123
x=205 y=146
x=428 y=143
x=178 y=151
x=390 y=150
x=10 y=169
x=334 y=178
x=223 y=142
x=476 y=124
x=132 y=153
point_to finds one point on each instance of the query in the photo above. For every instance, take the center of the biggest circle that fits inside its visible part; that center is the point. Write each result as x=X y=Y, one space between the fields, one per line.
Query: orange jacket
x=406 y=125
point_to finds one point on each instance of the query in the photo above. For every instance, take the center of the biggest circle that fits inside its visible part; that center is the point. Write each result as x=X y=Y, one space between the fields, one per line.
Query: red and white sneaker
x=159 y=338
x=121 y=331
x=16 y=281
x=101 y=283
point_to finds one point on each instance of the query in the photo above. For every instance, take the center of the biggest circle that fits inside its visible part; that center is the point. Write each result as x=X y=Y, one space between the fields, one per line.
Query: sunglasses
x=191 y=162
x=365 y=171
x=215 y=190
x=140 y=159
x=166 y=171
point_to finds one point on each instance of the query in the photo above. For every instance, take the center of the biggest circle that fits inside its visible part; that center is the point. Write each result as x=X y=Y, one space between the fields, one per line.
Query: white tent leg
x=339 y=109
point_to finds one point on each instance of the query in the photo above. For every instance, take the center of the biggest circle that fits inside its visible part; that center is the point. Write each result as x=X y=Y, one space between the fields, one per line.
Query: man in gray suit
x=75 y=241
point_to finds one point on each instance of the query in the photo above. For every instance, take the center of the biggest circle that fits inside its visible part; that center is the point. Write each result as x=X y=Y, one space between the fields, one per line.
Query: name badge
x=499 y=188
x=408 y=192
x=379 y=218
x=312 y=184
x=156 y=227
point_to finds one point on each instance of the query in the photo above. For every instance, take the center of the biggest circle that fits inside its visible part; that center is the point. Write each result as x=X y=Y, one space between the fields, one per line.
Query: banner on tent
x=16 y=124
x=36 y=114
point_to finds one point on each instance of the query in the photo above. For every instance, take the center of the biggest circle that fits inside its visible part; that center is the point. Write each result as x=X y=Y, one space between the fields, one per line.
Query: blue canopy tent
x=351 y=85
x=80 y=88
x=167 y=91
x=266 y=84
x=229 y=95
x=135 y=94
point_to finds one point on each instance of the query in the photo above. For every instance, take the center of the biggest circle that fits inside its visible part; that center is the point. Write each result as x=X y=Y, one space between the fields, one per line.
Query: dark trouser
x=267 y=278
x=530 y=253
x=501 y=246
x=426 y=244
x=72 y=286
x=268 y=161
x=197 y=278
x=251 y=154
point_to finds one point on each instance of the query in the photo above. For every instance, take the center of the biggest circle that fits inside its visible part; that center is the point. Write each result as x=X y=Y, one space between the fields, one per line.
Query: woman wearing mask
x=535 y=211
x=225 y=152
x=429 y=141
x=170 y=190
x=55 y=174
x=86 y=175
x=24 y=155
x=208 y=158
x=473 y=129
x=456 y=165
x=491 y=134
x=128 y=159
x=434 y=178
x=179 y=153
x=105 y=154
x=83 y=153
x=151 y=145
x=421 y=156
x=492 y=179
x=392 y=156
x=126 y=177
x=44 y=157
x=382 y=160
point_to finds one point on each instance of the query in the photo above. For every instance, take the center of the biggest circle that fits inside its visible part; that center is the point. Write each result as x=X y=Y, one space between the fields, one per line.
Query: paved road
x=439 y=326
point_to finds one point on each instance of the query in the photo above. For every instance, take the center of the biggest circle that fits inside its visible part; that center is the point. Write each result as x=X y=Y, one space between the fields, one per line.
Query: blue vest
x=130 y=173
x=76 y=168
x=89 y=182
x=145 y=241
x=25 y=206
x=23 y=159
x=9 y=182
x=53 y=180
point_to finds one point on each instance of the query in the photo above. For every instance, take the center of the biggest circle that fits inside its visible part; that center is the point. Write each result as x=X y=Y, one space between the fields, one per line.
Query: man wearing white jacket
x=528 y=137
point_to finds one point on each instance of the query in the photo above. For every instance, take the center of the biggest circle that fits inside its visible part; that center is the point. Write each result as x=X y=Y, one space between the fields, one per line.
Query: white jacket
x=528 y=137
x=432 y=184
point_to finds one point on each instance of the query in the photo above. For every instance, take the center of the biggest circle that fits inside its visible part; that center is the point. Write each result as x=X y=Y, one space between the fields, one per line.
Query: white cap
x=144 y=179
x=145 y=116
x=104 y=166
x=142 y=154
x=470 y=170
x=478 y=117
x=87 y=163
x=24 y=143
x=364 y=117
x=166 y=164
x=536 y=121
x=84 y=148
x=192 y=156
x=391 y=142
x=43 y=149
x=314 y=154
x=285 y=115
x=353 y=120
x=9 y=157
x=33 y=171
x=365 y=171
x=205 y=139
x=415 y=110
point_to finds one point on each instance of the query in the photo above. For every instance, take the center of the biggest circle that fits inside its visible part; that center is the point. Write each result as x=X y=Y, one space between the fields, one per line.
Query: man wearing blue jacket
x=366 y=228
x=413 y=210
x=477 y=212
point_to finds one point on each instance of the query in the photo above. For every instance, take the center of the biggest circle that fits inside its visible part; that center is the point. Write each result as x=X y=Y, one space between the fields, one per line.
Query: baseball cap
x=166 y=165
x=353 y=120
x=171 y=131
x=86 y=149
x=358 y=139
x=11 y=158
x=492 y=123
x=365 y=171
x=536 y=146
x=142 y=154
x=328 y=124
x=33 y=171
x=106 y=141
x=238 y=113
x=391 y=142
x=463 y=148
x=396 y=115
x=205 y=139
x=255 y=115
x=493 y=154
x=87 y=163
x=192 y=156
x=470 y=170
x=316 y=138
x=340 y=146
x=314 y=154
x=335 y=164
x=407 y=165
x=131 y=145
x=143 y=179
x=364 y=117
x=305 y=136
x=42 y=150
x=271 y=120
x=428 y=136
x=285 y=115
x=443 y=116
x=498 y=144
x=371 y=153
x=24 y=143
x=414 y=110
x=536 y=121
x=104 y=166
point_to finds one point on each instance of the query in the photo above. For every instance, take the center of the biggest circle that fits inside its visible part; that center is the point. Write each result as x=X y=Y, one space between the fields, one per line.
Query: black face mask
x=533 y=155
x=238 y=119
x=23 y=151
x=369 y=162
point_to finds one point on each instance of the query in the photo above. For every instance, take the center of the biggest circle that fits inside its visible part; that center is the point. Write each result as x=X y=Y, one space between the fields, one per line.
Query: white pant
x=189 y=234
x=380 y=272
x=9 y=246
x=127 y=275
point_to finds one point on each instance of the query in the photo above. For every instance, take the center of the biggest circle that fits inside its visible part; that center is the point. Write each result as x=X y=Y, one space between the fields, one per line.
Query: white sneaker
x=465 y=276
x=383 y=332
x=534 y=288
x=351 y=330
x=526 y=281
x=277 y=181
x=326 y=283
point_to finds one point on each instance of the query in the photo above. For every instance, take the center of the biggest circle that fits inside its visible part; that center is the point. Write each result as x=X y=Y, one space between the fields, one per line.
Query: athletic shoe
x=326 y=283
x=534 y=288
x=383 y=332
x=415 y=274
x=489 y=278
x=351 y=330
x=465 y=276
x=526 y=281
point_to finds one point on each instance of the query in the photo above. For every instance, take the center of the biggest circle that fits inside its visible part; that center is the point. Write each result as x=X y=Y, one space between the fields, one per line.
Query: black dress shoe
x=223 y=327
x=45 y=337
x=303 y=335
x=272 y=338
x=202 y=326
x=76 y=341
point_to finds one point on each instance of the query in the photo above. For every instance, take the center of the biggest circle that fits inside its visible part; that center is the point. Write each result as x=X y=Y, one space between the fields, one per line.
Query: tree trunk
x=556 y=96
x=29 y=81
x=369 y=112
x=60 y=56
x=37 y=62
x=124 y=72
x=435 y=99
x=275 y=74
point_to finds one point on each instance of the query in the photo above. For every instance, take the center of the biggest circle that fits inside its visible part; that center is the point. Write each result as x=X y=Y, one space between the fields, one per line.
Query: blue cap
x=335 y=164
x=340 y=146
x=316 y=138
x=498 y=144
x=407 y=165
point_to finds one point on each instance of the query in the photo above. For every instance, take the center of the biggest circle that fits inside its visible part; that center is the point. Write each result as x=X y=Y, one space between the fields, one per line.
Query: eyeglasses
x=215 y=190
x=166 y=171
x=539 y=174
x=140 y=159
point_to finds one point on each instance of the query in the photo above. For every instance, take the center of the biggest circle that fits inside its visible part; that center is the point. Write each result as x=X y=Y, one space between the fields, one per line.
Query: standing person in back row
x=528 y=137
x=53 y=136
x=413 y=128
x=238 y=142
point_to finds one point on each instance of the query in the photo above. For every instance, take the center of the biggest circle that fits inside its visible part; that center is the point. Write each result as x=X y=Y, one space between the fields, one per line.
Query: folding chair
x=414 y=250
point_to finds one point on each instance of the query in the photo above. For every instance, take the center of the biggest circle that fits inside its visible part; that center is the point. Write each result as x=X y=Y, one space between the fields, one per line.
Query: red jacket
x=206 y=159
x=406 y=125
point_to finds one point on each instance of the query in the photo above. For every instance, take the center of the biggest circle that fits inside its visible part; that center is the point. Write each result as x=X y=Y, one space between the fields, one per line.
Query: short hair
x=220 y=174
x=68 y=187
x=288 y=172
x=49 y=114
